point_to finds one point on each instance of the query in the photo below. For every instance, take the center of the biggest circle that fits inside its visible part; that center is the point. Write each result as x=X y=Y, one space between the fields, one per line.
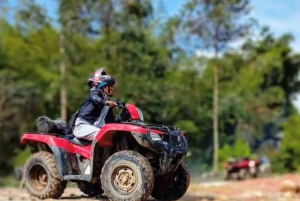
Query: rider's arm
x=97 y=98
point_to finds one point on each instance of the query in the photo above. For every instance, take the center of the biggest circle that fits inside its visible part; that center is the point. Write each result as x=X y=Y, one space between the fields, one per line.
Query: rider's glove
x=111 y=104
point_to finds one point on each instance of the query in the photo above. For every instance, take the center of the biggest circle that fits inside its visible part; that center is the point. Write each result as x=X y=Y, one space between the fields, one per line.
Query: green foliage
x=276 y=160
x=192 y=131
x=290 y=149
x=9 y=181
x=239 y=149
x=20 y=106
x=188 y=126
x=21 y=157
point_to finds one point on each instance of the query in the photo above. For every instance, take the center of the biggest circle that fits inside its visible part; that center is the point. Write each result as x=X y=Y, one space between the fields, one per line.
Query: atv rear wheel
x=90 y=189
x=172 y=186
x=127 y=175
x=41 y=177
x=228 y=175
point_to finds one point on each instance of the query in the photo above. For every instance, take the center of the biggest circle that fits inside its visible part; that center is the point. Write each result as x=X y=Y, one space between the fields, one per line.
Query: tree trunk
x=216 y=116
x=63 y=90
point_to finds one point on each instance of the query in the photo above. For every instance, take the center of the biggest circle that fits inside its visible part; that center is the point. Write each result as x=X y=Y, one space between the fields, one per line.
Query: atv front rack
x=172 y=143
x=172 y=139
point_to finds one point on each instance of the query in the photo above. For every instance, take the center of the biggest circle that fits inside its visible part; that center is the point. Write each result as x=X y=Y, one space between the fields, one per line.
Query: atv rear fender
x=34 y=139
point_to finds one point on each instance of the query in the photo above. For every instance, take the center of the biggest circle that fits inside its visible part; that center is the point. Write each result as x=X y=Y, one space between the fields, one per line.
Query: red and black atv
x=240 y=169
x=126 y=161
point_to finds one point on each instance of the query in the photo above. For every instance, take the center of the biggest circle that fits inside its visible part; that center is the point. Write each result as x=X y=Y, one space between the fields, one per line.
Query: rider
x=97 y=109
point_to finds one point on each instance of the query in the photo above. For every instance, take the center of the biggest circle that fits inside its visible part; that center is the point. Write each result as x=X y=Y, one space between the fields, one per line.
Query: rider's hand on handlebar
x=111 y=104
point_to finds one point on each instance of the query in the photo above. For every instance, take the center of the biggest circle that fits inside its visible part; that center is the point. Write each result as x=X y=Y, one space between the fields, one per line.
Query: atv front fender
x=105 y=136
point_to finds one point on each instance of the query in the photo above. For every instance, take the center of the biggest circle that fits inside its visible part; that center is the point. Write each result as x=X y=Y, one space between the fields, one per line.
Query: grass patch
x=9 y=181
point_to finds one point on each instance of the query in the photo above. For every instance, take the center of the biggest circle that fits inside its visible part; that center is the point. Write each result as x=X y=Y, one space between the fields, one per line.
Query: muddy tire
x=227 y=176
x=90 y=189
x=41 y=178
x=242 y=174
x=172 y=186
x=127 y=175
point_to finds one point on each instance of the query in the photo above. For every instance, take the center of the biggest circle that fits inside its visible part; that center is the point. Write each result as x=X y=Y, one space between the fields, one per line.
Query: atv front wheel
x=41 y=177
x=172 y=186
x=242 y=174
x=91 y=189
x=127 y=175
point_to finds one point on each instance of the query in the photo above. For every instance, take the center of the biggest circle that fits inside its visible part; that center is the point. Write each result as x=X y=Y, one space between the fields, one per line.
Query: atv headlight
x=251 y=163
x=155 y=137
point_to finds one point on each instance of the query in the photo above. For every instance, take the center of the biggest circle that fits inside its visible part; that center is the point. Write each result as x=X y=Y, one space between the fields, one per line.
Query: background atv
x=240 y=169
x=127 y=161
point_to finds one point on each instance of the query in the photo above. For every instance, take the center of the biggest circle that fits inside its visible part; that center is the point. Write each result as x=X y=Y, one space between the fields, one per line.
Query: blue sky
x=282 y=16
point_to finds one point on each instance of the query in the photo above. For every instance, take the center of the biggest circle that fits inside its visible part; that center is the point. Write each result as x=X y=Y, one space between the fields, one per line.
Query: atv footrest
x=71 y=138
x=86 y=177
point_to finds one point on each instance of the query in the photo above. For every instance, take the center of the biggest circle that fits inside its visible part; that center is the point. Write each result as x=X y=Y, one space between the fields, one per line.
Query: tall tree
x=76 y=18
x=19 y=101
x=31 y=17
x=216 y=23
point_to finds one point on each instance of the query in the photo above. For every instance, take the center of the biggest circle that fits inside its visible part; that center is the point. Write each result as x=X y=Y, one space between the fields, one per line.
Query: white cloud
x=281 y=16
x=296 y=102
x=204 y=53
x=237 y=44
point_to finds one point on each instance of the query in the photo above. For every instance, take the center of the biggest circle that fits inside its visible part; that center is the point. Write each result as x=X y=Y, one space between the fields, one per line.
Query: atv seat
x=81 y=142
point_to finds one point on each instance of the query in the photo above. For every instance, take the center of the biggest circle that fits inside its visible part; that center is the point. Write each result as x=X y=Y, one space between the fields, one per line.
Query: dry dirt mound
x=281 y=188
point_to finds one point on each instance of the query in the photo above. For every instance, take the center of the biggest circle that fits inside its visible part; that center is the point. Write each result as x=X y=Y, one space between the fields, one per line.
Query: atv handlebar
x=124 y=114
x=120 y=105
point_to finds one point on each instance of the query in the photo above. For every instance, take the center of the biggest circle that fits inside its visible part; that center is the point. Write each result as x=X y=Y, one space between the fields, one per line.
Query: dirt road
x=70 y=194
x=259 y=189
